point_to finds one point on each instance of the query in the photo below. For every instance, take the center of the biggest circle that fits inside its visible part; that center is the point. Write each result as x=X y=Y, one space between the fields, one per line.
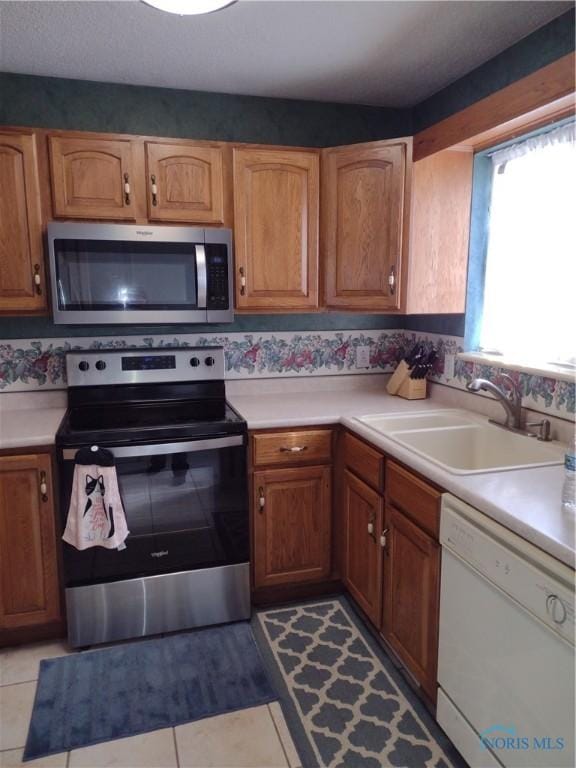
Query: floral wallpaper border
x=28 y=365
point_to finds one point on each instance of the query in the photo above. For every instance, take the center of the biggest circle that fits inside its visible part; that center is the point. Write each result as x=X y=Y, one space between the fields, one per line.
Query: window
x=529 y=308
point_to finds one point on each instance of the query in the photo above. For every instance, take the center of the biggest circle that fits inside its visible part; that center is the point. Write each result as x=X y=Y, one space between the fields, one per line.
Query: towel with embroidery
x=96 y=515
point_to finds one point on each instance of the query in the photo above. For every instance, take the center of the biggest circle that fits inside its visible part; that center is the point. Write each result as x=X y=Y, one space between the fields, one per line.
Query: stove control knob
x=83 y=365
x=100 y=365
x=210 y=361
x=194 y=362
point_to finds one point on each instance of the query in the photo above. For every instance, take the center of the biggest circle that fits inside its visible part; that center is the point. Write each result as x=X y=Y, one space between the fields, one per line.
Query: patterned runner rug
x=346 y=704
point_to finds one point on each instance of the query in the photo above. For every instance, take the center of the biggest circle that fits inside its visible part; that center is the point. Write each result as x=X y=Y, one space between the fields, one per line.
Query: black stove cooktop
x=148 y=422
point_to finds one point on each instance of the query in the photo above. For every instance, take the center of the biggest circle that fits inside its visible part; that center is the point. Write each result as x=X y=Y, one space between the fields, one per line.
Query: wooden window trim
x=544 y=96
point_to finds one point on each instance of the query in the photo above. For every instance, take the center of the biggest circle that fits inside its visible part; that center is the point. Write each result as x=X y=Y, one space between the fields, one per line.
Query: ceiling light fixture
x=189 y=7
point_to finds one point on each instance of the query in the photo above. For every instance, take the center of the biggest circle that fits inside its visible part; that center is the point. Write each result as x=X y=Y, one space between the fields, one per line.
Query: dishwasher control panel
x=535 y=580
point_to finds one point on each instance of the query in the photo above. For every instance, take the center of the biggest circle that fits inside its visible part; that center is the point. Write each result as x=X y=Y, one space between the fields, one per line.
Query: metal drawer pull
x=383 y=538
x=242 y=281
x=127 y=189
x=294 y=449
x=261 y=499
x=43 y=487
x=37 y=280
x=392 y=279
x=154 y=190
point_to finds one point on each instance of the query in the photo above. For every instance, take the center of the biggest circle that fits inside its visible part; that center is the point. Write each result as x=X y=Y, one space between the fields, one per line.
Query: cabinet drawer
x=413 y=496
x=302 y=446
x=366 y=462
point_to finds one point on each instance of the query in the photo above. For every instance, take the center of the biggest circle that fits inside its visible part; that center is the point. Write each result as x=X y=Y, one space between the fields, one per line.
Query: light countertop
x=28 y=427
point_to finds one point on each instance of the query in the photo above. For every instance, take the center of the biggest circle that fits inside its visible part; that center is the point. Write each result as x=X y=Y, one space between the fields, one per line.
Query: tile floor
x=250 y=738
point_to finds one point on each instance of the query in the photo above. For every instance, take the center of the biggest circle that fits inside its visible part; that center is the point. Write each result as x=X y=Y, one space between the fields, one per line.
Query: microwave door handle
x=201 y=275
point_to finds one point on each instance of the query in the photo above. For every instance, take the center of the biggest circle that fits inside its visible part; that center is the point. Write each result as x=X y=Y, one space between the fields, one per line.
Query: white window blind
x=530 y=287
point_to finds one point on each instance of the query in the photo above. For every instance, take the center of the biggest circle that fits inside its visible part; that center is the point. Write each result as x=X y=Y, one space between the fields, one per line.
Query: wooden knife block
x=402 y=385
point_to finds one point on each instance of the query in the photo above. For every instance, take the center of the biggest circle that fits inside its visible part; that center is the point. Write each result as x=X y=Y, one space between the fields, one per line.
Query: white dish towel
x=96 y=514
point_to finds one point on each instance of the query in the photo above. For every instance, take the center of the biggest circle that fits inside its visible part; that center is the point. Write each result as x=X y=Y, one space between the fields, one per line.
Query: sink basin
x=467 y=450
x=399 y=422
x=464 y=443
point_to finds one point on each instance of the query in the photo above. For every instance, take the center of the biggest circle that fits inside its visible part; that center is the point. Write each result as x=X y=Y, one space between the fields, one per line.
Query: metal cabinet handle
x=293 y=449
x=126 y=189
x=392 y=280
x=154 y=190
x=552 y=601
x=43 y=487
x=371 y=527
x=37 y=280
x=261 y=499
x=242 y=281
x=383 y=538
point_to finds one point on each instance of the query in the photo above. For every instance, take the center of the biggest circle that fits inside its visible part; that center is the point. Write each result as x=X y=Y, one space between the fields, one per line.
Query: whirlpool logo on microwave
x=505 y=738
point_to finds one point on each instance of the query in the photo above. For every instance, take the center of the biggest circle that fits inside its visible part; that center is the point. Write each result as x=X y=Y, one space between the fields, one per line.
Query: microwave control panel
x=217 y=277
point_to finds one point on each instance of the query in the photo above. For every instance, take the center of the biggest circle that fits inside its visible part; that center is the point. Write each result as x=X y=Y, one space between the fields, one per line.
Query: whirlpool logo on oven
x=505 y=738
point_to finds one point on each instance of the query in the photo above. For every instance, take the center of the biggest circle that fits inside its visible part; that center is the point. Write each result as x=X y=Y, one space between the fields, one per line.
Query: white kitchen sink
x=463 y=443
x=400 y=422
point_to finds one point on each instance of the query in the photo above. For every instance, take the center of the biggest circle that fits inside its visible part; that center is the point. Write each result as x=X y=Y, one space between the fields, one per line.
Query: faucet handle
x=544 y=429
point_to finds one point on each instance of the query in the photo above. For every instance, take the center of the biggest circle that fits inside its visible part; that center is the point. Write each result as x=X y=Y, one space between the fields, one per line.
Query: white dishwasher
x=506 y=646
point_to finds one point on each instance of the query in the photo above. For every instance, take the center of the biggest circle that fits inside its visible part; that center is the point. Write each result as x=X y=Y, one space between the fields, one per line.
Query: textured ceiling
x=382 y=53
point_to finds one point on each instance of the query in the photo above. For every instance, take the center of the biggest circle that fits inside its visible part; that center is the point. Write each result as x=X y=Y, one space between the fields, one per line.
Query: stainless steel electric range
x=180 y=452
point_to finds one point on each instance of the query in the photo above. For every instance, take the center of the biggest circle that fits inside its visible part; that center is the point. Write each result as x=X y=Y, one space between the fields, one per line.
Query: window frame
x=482 y=180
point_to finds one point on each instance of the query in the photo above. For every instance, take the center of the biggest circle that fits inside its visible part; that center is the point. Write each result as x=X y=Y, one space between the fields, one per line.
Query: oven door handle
x=191 y=446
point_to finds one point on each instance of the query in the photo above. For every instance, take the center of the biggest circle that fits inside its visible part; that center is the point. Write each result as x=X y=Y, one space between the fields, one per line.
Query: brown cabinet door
x=292 y=530
x=22 y=280
x=363 y=215
x=276 y=216
x=29 y=592
x=362 y=550
x=185 y=183
x=93 y=178
x=411 y=597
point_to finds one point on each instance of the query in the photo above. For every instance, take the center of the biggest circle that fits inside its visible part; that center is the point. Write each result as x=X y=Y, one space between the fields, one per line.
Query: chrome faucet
x=511 y=399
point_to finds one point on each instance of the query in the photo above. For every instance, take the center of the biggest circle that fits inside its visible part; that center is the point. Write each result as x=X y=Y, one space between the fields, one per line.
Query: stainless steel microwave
x=129 y=274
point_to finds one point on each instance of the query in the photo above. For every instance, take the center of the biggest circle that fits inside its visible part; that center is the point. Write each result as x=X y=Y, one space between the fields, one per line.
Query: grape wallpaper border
x=38 y=364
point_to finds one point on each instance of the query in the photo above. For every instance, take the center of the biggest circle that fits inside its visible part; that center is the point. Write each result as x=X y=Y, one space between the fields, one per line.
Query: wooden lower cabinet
x=292 y=525
x=362 y=568
x=411 y=597
x=29 y=590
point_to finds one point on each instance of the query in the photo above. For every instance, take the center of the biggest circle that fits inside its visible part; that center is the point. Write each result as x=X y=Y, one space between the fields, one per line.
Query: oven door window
x=114 y=275
x=184 y=511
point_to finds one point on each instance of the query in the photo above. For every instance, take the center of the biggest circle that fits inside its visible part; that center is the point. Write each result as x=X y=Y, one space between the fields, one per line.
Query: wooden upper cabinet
x=94 y=178
x=29 y=591
x=363 y=225
x=439 y=232
x=185 y=183
x=22 y=279
x=276 y=219
x=292 y=525
x=362 y=520
x=411 y=597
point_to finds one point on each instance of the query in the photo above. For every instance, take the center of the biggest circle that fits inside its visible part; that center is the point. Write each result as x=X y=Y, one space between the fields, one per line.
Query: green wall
x=89 y=106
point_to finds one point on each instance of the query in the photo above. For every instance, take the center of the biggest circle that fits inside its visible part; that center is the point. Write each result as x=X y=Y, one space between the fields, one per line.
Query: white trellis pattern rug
x=352 y=706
